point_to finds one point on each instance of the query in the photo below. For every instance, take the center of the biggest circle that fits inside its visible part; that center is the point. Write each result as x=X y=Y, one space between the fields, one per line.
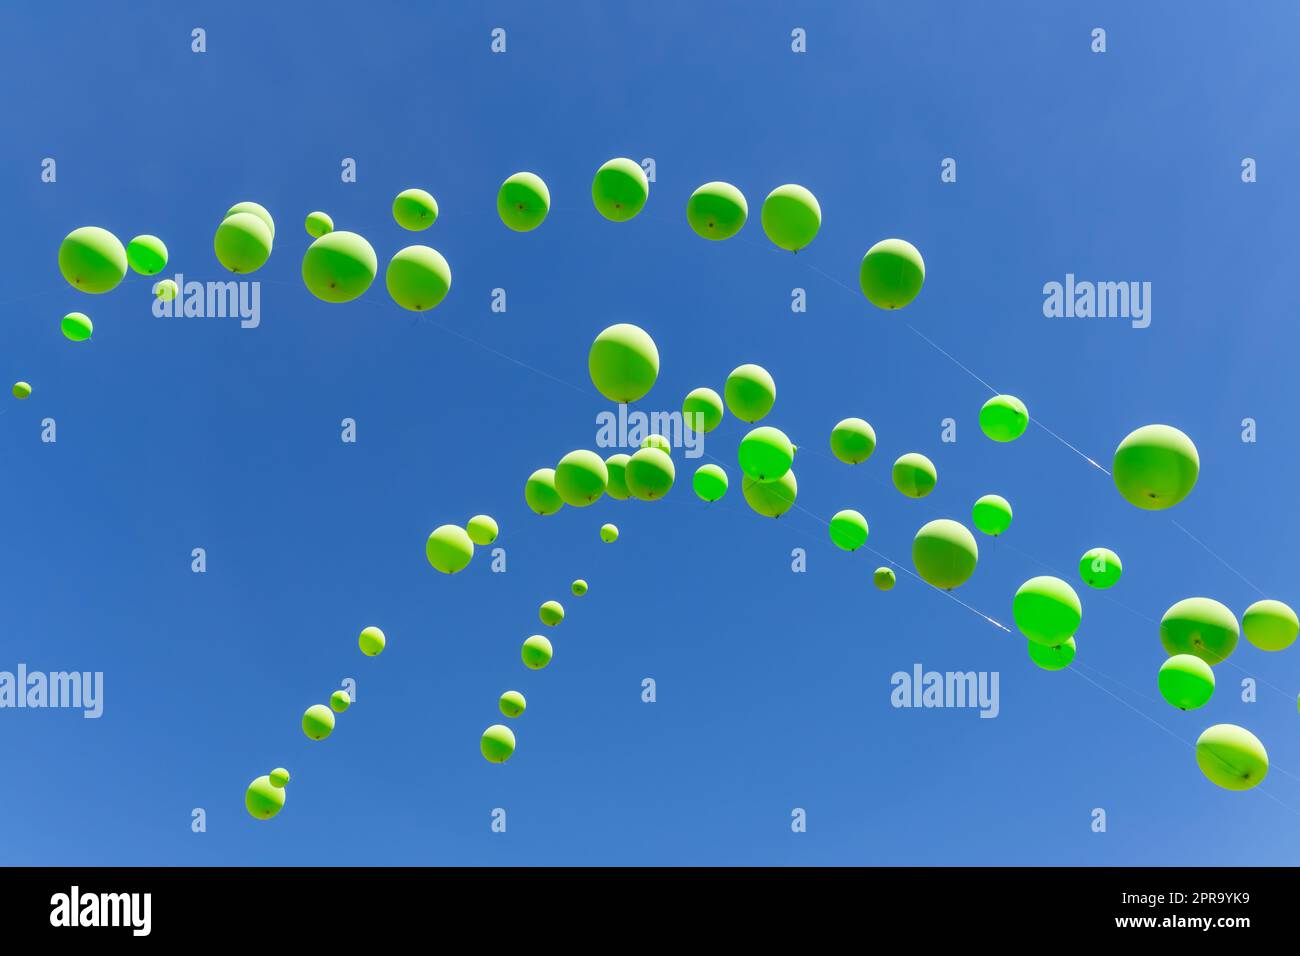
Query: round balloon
x=498 y=743
x=620 y=189
x=1052 y=658
x=339 y=266
x=1047 y=610
x=884 y=578
x=623 y=363
x=77 y=327
x=1270 y=625
x=1155 y=467
x=1186 y=681
x=658 y=441
x=1200 y=626
x=166 y=289
x=750 y=392
x=579 y=587
x=1100 y=568
x=853 y=441
x=771 y=499
x=253 y=209
x=581 y=478
x=242 y=243
x=551 y=613
x=766 y=453
x=915 y=475
x=22 y=390
x=616 y=487
x=892 y=273
x=710 y=482
x=992 y=514
x=717 y=210
x=318 y=224
x=482 y=529
x=372 y=641
x=147 y=255
x=1231 y=757
x=1004 y=418
x=340 y=701
x=418 y=278
x=415 y=209
x=609 y=533
x=945 y=553
x=512 y=703
x=540 y=492
x=449 y=548
x=702 y=410
x=791 y=217
x=92 y=259
x=523 y=202
x=848 y=529
x=264 y=799
x=318 y=722
x=279 y=777
x=649 y=474
x=536 y=652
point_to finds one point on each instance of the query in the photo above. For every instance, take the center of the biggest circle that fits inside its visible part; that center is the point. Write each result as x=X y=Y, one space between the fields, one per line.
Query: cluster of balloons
x=318 y=720
x=265 y=796
x=244 y=238
x=93 y=260
x=450 y=548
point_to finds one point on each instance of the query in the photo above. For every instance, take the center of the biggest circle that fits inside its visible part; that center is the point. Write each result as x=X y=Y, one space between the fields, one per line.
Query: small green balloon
x=1155 y=467
x=717 y=210
x=279 y=777
x=791 y=217
x=92 y=259
x=848 y=529
x=1004 y=418
x=540 y=493
x=1053 y=658
x=609 y=533
x=617 y=488
x=1047 y=610
x=166 y=289
x=579 y=587
x=415 y=209
x=710 y=482
x=512 y=703
x=1186 y=681
x=1270 y=625
x=658 y=441
x=915 y=475
x=318 y=224
x=1100 y=568
x=372 y=641
x=77 y=327
x=340 y=701
x=551 y=613
x=702 y=410
x=523 y=202
x=765 y=453
x=147 y=255
x=1200 y=626
x=449 y=548
x=581 y=478
x=853 y=441
x=22 y=390
x=339 y=266
x=253 y=209
x=750 y=392
x=242 y=243
x=884 y=578
x=264 y=799
x=623 y=363
x=649 y=474
x=482 y=529
x=536 y=652
x=992 y=514
x=771 y=499
x=418 y=278
x=892 y=273
x=945 y=553
x=498 y=743
x=620 y=190
x=1231 y=757
x=318 y=722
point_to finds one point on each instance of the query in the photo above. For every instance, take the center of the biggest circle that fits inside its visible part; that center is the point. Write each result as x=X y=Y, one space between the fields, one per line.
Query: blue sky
x=773 y=687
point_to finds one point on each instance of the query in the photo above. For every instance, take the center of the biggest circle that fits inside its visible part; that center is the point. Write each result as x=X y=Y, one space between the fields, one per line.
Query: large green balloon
x=771 y=499
x=318 y=224
x=649 y=474
x=623 y=363
x=512 y=703
x=620 y=190
x=253 y=209
x=340 y=701
x=449 y=548
x=1186 y=681
x=551 y=613
x=884 y=578
x=523 y=202
x=147 y=255
x=1004 y=418
x=418 y=278
x=263 y=798
x=92 y=259
x=915 y=475
x=1047 y=610
x=1155 y=467
x=581 y=478
x=791 y=217
x=717 y=210
x=339 y=266
x=609 y=533
x=372 y=641
x=945 y=553
x=710 y=482
x=242 y=243
x=702 y=410
x=766 y=453
x=848 y=529
x=1100 y=568
x=1053 y=658
x=750 y=392
x=1200 y=626
x=892 y=273
x=318 y=722
x=1270 y=625
x=498 y=743
x=77 y=327
x=482 y=529
x=616 y=487
x=415 y=209
x=1231 y=757
x=536 y=652
x=540 y=493
x=992 y=514
x=279 y=777
x=22 y=390
x=579 y=587
x=853 y=440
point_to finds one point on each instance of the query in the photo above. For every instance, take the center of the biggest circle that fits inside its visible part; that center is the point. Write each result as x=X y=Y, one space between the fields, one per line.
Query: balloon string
x=1217 y=557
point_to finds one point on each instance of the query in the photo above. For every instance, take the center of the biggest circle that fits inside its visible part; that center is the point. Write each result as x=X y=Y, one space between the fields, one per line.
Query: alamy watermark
x=240 y=299
x=1082 y=299
x=71 y=689
x=922 y=688
x=626 y=429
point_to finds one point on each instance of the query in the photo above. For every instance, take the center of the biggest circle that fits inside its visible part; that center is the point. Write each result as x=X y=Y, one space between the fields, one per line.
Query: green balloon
x=279 y=777
x=884 y=578
x=1052 y=658
x=415 y=209
x=1004 y=418
x=1200 y=626
x=992 y=514
x=717 y=210
x=703 y=408
x=92 y=259
x=1231 y=757
x=1047 y=610
x=536 y=652
x=318 y=722
x=1156 y=467
x=766 y=453
x=77 y=327
x=498 y=743
x=750 y=392
x=771 y=499
x=1186 y=681
x=649 y=474
x=166 y=289
x=551 y=613
x=482 y=529
x=609 y=533
x=1100 y=568
x=791 y=217
x=242 y=243
x=449 y=548
x=853 y=441
x=372 y=641
x=418 y=278
x=512 y=703
x=147 y=255
x=848 y=529
x=620 y=190
x=892 y=273
x=318 y=224
x=523 y=202
x=340 y=701
x=22 y=390
x=253 y=209
x=945 y=553
x=1270 y=625
x=623 y=363
x=710 y=482
x=616 y=487
x=540 y=493
x=915 y=475
x=263 y=798
x=579 y=587
x=581 y=478
x=658 y=441
x=339 y=266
